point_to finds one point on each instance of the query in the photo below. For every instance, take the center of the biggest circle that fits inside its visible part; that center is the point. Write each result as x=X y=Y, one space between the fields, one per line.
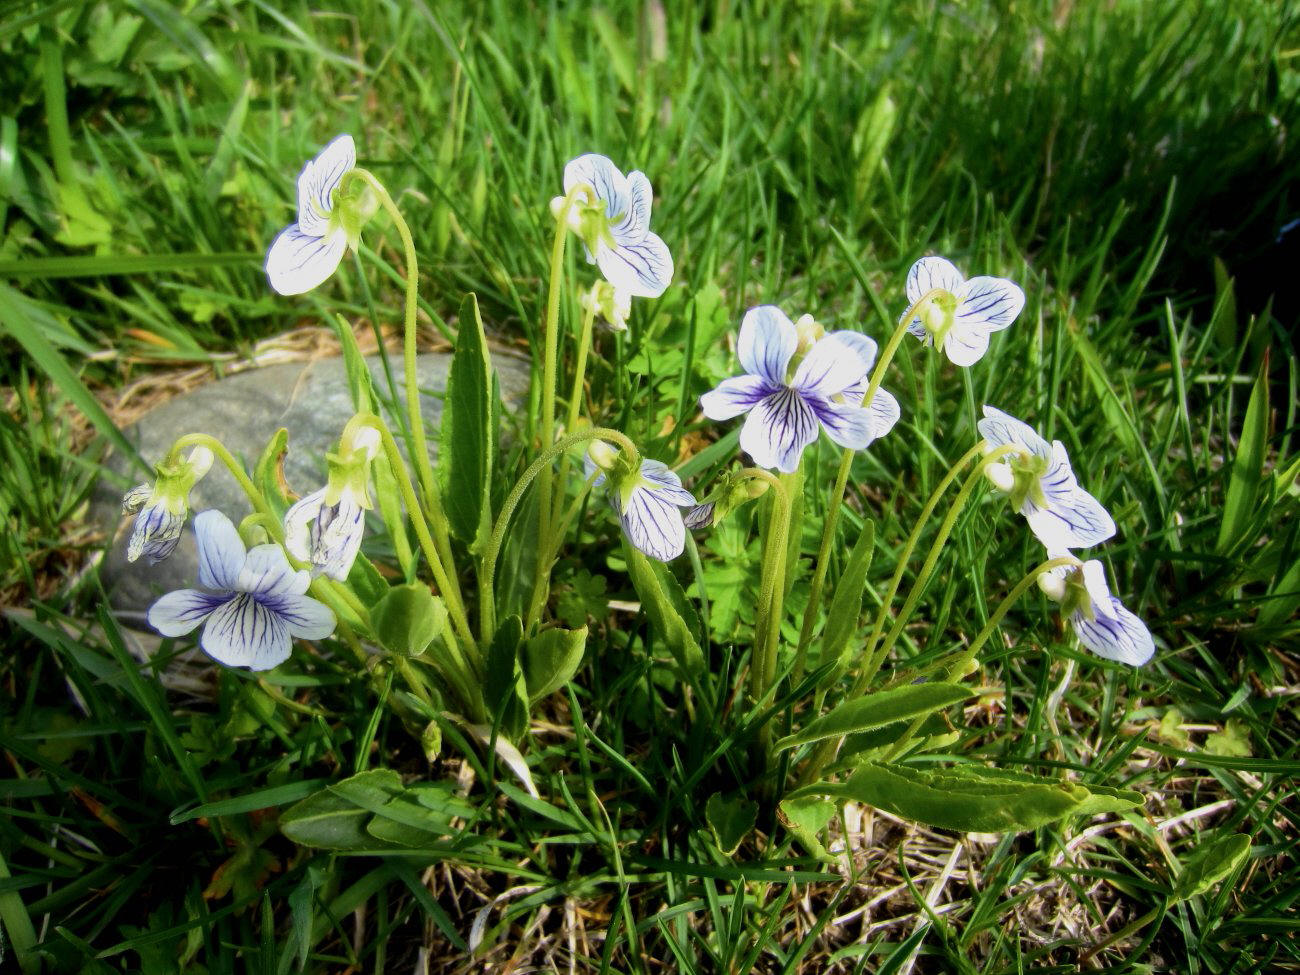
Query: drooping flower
x=729 y=492
x=1042 y=485
x=610 y=302
x=161 y=508
x=252 y=600
x=963 y=314
x=325 y=527
x=1100 y=620
x=648 y=501
x=307 y=252
x=786 y=410
x=612 y=216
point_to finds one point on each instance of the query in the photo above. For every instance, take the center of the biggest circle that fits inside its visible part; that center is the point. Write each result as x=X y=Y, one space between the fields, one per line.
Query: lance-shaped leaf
x=268 y=475
x=333 y=819
x=504 y=689
x=968 y=798
x=877 y=710
x=1240 y=504
x=468 y=430
x=846 y=604
x=1211 y=863
x=664 y=603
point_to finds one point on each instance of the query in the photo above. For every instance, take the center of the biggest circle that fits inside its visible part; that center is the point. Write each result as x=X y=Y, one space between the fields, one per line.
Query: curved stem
x=487 y=584
x=455 y=607
x=842 y=477
x=575 y=402
x=956 y=670
x=236 y=470
x=419 y=446
x=927 y=567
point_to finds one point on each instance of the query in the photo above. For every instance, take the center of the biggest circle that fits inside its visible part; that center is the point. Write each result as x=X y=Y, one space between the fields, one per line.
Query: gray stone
x=309 y=398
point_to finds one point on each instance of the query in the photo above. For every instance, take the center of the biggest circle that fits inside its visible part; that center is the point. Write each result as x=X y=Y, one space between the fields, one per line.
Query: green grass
x=1101 y=154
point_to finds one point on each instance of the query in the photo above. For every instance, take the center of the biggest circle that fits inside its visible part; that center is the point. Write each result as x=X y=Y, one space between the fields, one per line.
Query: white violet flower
x=1042 y=486
x=1100 y=620
x=964 y=314
x=309 y=251
x=160 y=509
x=799 y=380
x=612 y=217
x=648 y=501
x=253 y=602
x=325 y=527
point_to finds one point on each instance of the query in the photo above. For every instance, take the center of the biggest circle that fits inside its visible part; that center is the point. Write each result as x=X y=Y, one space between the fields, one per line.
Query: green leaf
x=1232 y=742
x=1239 y=505
x=1210 y=863
x=268 y=475
x=408 y=618
x=332 y=819
x=504 y=689
x=870 y=137
x=667 y=608
x=551 y=658
x=966 y=798
x=468 y=439
x=846 y=604
x=805 y=818
x=730 y=820
x=877 y=710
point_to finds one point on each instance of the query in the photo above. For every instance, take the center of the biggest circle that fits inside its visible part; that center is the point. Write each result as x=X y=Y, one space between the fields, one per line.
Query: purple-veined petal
x=179 y=612
x=653 y=524
x=848 y=426
x=317 y=182
x=701 y=516
x=929 y=273
x=589 y=468
x=965 y=346
x=778 y=429
x=221 y=551
x=598 y=172
x=1117 y=635
x=735 y=396
x=885 y=412
x=336 y=537
x=1094 y=580
x=1048 y=527
x=990 y=303
x=836 y=361
x=1002 y=430
x=267 y=572
x=632 y=225
x=156 y=533
x=767 y=343
x=298 y=262
x=1078 y=521
x=297 y=525
x=136 y=498
x=643 y=269
x=305 y=617
x=244 y=633
x=665 y=483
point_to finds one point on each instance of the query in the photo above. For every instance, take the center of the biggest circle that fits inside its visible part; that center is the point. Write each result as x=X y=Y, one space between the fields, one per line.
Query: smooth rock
x=244 y=411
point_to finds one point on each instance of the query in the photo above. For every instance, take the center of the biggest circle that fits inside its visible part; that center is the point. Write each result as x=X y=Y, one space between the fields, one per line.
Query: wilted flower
x=1042 y=486
x=160 y=509
x=965 y=313
x=613 y=220
x=729 y=492
x=309 y=251
x=648 y=501
x=1099 y=619
x=252 y=600
x=786 y=411
x=325 y=527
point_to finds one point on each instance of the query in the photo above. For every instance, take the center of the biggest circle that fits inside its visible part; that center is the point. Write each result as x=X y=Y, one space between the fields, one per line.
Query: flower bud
x=602 y=455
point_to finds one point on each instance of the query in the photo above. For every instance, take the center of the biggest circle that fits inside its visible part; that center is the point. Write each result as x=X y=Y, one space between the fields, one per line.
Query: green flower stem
x=455 y=608
x=927 y=567
x=842 y=480
x=771 y=599
x=550 y=355
x=487 y=582
x=575 y=403
x=962 y=660
x=419 y=446
x=246 y=484
x=348 y=598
